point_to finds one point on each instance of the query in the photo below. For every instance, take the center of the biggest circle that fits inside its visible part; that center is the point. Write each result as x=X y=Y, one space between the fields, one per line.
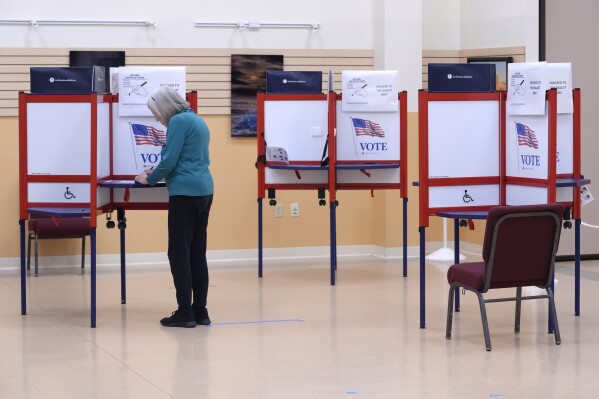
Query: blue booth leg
x=456 y=258
x=576 y=267
x=405 y=237
x=333 y=228
x=93 y=276
x=260 y=254
x=422 y=277
x=23 y=276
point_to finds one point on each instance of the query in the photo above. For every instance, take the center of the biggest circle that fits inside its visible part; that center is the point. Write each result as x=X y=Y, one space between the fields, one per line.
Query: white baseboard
x=241 y=257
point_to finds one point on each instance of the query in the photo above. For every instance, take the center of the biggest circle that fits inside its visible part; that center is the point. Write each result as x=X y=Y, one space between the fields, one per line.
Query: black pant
x=187 y=223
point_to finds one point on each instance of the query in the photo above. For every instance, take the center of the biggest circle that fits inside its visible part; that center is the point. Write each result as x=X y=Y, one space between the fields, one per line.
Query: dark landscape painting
x=248 y=77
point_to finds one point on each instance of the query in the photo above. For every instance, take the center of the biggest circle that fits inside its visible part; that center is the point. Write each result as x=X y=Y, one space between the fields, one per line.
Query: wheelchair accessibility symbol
x=69 y=195
x=467 y=198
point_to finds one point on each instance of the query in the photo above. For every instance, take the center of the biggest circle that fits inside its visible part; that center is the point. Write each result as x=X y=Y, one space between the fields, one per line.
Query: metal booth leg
x=260 y=253
x=405 y=237
x=456 y=257
x=333 y=228
x=23 y=276
x=122 y=225
x=422 y=276
x=92 y=237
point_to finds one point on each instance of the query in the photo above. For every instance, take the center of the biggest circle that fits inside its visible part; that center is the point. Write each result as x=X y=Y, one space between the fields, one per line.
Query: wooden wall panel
x=208 y=70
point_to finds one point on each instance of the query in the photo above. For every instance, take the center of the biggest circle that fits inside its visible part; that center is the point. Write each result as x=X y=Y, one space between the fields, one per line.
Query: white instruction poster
x=527 y=83
x=559 y=76
x=369 y=91
x=136 y=84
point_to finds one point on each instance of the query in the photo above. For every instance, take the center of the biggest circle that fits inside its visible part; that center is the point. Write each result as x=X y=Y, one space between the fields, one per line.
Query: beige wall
x=361 y=220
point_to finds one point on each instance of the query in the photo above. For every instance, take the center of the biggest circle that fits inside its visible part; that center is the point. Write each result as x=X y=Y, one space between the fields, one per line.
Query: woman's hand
x=142 y=178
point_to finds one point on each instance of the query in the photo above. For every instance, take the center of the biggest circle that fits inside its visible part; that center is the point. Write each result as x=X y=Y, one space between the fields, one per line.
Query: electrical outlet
x=278 y=211
x=295 y=209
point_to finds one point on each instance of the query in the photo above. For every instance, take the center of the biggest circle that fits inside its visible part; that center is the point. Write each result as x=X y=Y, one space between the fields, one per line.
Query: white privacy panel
x=58 y=138
x=58 y=192
x=103 y=134
x=300 y=127
x=464 y=196
x=282 y=176
x=527 y=143
x=371 y=176
x=367 y=136
x=142 y=195
x=103 y=196
x=463 y=138
x=565 y=144
x=564 y=194
x=524 y=195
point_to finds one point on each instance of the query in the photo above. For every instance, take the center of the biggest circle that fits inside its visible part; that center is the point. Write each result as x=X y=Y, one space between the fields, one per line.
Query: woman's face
x=159 y=119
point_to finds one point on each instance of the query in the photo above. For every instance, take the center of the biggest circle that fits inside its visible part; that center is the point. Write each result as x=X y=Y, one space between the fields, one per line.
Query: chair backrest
x=520 y=245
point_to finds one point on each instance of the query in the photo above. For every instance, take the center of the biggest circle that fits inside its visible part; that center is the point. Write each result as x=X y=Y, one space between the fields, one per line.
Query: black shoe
x=179 y=319
x=201 y=317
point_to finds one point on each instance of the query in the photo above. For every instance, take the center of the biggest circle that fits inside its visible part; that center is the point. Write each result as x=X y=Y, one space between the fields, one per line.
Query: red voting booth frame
x=78 y=209
x=333 y=165
x=551 y=183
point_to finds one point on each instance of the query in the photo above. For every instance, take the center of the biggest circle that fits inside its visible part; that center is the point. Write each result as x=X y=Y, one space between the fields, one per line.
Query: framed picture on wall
x=500 y=68
x=248 y=77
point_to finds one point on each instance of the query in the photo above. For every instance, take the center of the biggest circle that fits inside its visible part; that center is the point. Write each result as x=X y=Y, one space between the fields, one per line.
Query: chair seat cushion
x=471 y=274
x=60 y=227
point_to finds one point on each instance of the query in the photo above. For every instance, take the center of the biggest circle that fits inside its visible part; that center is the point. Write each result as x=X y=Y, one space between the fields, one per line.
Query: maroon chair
x=53 y=228
x=518 y=251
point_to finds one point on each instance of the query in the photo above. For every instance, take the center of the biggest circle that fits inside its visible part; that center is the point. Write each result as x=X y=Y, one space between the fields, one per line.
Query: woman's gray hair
x=166 y=102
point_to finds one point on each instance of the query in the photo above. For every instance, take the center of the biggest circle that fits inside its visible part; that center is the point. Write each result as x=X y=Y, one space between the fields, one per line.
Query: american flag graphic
x=526 y=136
x=148 y=135
x=364 y=127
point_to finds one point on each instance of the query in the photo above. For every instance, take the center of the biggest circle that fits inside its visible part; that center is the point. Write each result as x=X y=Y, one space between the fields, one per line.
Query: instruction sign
x=559 y=76
x=369 y=91
x=136 y=84
x=527 y=83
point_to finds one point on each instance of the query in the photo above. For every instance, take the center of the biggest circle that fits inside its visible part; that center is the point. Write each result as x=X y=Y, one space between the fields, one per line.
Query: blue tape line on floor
x=258 y=322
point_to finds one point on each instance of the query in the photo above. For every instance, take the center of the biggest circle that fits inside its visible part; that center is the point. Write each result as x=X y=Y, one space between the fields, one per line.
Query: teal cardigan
x=185 y=159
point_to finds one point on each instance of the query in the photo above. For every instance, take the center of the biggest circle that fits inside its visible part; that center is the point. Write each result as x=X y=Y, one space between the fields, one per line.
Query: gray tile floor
x=291 y=335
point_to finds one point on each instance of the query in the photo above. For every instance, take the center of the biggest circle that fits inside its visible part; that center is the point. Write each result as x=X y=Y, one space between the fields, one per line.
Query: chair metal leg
x=518 y=309
x=83 y=255
x=36 y=252
x=449 y=313
x=483 y=315
x=29 y=238
x=558 y=339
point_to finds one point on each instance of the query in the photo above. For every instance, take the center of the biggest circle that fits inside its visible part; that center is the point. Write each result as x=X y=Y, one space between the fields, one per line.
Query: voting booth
x=79 y=154
x=480 y=150
x=319 y=142
x=63 y=158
